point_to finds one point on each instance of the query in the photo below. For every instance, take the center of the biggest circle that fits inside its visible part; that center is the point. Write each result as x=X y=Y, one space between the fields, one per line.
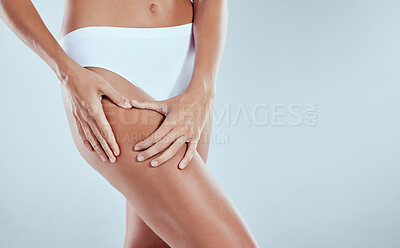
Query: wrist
x=201 y=89
x=66 y=68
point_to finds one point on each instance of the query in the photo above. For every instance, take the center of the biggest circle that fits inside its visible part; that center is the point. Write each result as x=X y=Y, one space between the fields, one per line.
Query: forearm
x=209 y=27
x=23 y=19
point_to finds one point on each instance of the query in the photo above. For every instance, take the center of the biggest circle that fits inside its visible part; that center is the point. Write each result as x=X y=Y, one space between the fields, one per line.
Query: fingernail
x=154 y=163
x=137 y=148
x=115 y=153
x=140 y=158
x=103 y=158
x=112 y=160
x=127 y=104
x=134 y=101
x=182 y=165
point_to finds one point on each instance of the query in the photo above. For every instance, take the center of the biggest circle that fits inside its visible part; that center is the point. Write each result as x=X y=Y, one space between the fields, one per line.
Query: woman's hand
x=186 y=116
x=86 y=90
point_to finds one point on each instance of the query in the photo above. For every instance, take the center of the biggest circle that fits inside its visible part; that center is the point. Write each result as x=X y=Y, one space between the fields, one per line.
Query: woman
x=114 y=59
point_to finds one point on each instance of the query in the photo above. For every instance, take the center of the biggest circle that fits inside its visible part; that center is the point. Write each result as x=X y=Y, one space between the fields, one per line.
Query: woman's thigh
x=186 y=208
x=138 y=233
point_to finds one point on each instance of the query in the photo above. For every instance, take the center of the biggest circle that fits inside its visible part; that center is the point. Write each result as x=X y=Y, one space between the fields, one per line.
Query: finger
x=92 y=139
x=103 y=142
x=188 y=155
x=106 y=130
x=159 y=134
x=111 y=93
x=160 y=106
x=95 y=112
x=82 y=134
x=158 y=147
x=170 y=152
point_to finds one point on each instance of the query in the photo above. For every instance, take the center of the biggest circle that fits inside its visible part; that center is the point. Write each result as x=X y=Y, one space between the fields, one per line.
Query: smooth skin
x=166 y=207
x=184 y=208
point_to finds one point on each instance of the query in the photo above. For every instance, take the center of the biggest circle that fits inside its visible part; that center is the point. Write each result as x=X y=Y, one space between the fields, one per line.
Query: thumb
x=159 y=106
x=117 y=98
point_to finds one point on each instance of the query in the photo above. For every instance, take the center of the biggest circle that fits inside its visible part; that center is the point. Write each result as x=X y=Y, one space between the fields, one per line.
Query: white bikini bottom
x=157 y=60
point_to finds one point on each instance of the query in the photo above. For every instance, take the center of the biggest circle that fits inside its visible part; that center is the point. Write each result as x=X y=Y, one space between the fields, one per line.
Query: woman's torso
x=125 y=13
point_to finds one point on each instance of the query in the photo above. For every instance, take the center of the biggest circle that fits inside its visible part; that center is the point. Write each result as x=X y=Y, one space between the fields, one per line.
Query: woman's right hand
x=86 y=89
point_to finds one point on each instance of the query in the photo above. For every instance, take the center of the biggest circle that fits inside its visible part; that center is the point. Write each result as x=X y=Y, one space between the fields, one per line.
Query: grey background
x=333 y=184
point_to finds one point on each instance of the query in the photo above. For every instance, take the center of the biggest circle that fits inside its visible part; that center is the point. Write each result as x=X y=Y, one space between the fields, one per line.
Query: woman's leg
x=186 y=208
x=138 y=233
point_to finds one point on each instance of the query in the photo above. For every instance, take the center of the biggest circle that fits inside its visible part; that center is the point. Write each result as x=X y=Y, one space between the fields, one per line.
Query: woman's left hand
x=186 y=116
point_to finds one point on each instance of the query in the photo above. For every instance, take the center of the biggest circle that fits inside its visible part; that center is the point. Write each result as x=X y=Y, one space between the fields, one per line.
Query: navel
x=153 y=7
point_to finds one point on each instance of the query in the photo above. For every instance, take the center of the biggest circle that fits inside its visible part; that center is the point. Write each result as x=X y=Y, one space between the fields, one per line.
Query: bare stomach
x=125 y=13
